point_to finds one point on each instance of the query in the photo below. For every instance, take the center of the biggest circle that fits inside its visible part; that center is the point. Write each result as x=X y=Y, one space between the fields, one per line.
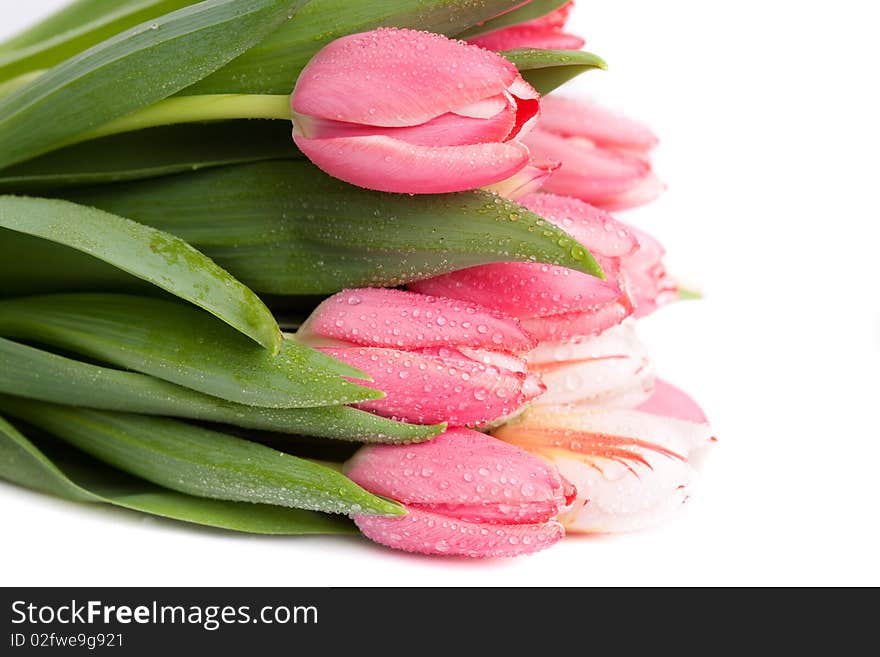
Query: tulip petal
x=377 y=317
x=572 y=325
x=670 y=401
x=516 y=37
x=571 y=118
x=452 y=129
x=432 y=533
x=645 y=276
x=391 y=165
x=523 y=289
x=544 y=32
x=592 y=174
x=463 y=474
x=601 y=233
x=611 y=369
x=630 y=467
x=425 y=74
x=428 y=390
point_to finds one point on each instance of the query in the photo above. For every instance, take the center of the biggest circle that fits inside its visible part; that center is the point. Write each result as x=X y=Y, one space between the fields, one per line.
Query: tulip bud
x=546 y=32
x=466 y=494
x=437 y=359
x=554 y=303
x=414 y=112
x=604 y=156
x=630 y=467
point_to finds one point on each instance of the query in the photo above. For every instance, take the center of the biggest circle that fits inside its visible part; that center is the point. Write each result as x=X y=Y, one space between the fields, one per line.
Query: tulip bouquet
x=291 y=267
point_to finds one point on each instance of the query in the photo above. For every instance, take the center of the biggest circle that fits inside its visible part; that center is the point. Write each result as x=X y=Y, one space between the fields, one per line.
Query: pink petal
x=525 y=182
x=601 y=233
x=544 y=32
x=571 y=118
x=649 y=189
x=431 y=533
x=450 y=129
x=670 y=401
x=644 y=275
x=391 y=77
x=573 y=325
x=592 y=174
x=376 y=317
x=463 y=474
x=523 y=289
x=390 y=165
x=521 y=36
x=427 y=390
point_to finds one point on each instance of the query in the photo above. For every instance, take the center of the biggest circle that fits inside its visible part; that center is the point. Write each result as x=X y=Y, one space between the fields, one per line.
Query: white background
x=768 y=111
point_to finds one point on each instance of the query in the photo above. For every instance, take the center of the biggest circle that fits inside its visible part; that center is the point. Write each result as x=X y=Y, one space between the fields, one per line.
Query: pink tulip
x=437 y=360
x=611 y=369
x=552 y=303
x=555 y=303
x=645 y=275
x=412 y=112
x=466 y=494
x=603 y=128
x=545 y=32
x=602 y=177
x=630 y=467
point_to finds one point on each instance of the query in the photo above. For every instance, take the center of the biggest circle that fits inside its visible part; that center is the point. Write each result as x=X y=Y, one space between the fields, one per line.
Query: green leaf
x=162 y=259
x=35 y=374
x=546 y=70
x=64 y=472
x=285 y=227
x=689 y=295
x=198 y=461
x=178 y=343
x=70 y=17
x=131 y=70
x=78 y=28
x=22 y=463
x=527 y=12
x=151 y=153
x=272 y=66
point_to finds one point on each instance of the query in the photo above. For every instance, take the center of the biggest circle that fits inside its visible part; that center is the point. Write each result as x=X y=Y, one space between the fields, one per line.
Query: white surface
x=769 y=121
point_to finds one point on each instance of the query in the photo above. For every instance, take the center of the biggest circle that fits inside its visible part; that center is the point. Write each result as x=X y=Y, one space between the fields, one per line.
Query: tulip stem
x=194 y=109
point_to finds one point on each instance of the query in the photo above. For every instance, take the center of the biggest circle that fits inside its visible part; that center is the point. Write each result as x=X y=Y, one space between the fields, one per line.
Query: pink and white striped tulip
x=611 y=369
x=630 y=467
x=413 y=112
x=437 y=359
x=466 y=494
x=546 y=32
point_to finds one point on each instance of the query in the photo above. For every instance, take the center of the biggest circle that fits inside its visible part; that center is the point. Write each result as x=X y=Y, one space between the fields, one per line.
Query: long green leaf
x=546 y=70
x=147 y=253
x=527 y=12
x=198 y=461
x=74 y=31
x=273 y=66
x=285 y=227
x=151 y=153
x=54 y=468
x=35 y=374
x=178 y=343
x=131 y=70
x=70 y=17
